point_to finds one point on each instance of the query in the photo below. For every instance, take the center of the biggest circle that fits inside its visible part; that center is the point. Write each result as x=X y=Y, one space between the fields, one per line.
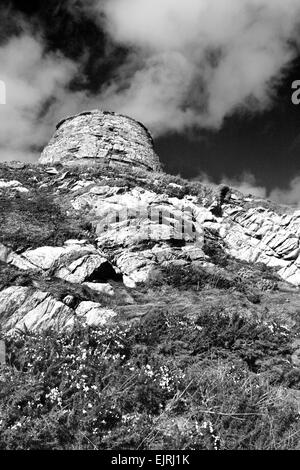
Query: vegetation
x=203 y=358
x=216 y=383
x=36 y=220
x=44 y=215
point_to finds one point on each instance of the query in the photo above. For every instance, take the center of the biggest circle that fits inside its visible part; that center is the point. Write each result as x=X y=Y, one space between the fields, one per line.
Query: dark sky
x=265 y=145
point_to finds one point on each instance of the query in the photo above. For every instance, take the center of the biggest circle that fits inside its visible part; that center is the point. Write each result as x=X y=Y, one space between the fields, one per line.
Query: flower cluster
x=152 y=385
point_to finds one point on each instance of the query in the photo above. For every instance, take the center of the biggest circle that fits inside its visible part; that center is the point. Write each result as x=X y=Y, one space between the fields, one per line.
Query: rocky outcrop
x=75 y=262
x=260 y=235
x=135 y=228
x=25 y=308
x=126 y=222
x=101 y=137
x=255 y=234
x=139 y=231
x=12 y=186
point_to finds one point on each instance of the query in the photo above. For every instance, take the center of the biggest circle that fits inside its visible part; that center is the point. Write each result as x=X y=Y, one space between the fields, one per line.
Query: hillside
x=140 y=310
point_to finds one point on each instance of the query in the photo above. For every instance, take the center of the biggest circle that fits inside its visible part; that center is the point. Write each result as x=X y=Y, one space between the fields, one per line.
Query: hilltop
x=141 y=310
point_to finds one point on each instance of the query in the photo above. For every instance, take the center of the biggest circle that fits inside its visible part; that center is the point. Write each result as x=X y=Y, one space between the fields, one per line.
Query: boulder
x=26 y=308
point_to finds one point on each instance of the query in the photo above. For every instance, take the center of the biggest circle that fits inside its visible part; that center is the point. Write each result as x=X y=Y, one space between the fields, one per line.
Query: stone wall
x=101 y=137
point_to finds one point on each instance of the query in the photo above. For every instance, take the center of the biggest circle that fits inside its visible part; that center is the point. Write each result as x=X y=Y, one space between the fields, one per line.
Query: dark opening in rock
x=217 y=211
x=176 y=242
x=105 y=273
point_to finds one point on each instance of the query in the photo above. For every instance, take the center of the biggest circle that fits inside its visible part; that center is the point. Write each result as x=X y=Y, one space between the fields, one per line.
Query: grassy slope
x=44 y=216
x=202 y=360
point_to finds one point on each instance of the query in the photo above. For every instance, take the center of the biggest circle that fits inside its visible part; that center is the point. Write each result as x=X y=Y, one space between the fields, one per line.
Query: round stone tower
x=101 y=137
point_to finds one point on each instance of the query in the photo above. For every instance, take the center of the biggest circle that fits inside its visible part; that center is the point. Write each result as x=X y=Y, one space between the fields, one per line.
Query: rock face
x=27 y=308
x=12 y=186
x=139 y=222
x=101 y=137
x=259 y=235
x=128 y=220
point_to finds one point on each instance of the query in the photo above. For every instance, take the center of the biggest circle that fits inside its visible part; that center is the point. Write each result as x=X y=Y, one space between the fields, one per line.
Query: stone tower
x=101 y=137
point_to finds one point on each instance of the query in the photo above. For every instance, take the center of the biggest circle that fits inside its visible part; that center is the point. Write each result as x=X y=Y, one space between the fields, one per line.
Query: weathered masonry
x=101 y=137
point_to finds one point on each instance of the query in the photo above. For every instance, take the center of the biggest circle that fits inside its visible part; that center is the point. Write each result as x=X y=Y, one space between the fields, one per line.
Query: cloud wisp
x=189 y=65
x=247 y=184
x=288 y=196
x=37 y=94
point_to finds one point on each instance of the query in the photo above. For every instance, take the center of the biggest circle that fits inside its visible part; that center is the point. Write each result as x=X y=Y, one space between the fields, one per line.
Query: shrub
x=36 y=219
x=166 y=383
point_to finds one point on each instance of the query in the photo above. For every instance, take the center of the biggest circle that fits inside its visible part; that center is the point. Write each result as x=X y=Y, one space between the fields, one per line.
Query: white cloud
x=36 y=94
x=196 y=61
x=290 y=195
x=190 y=64
x=246 y=183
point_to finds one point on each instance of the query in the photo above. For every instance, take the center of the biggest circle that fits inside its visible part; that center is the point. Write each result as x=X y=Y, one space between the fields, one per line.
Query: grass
x=202 y=359
x=166 y=383
x=45 y=216
x=37 y=219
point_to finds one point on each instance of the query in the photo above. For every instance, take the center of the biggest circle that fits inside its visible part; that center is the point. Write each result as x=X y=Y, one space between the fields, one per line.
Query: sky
x=211 y=79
